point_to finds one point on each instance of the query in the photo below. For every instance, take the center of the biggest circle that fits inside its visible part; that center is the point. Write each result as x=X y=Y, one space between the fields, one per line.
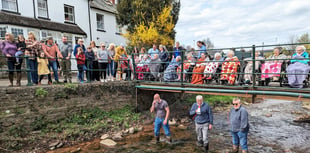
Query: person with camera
x=161 y=109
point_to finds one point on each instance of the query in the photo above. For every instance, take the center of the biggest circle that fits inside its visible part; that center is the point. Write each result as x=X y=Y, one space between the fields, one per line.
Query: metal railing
x=254 y=88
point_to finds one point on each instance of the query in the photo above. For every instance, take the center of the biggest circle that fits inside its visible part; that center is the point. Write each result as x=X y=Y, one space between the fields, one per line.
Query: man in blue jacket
x=203 y=121
x=239 y=126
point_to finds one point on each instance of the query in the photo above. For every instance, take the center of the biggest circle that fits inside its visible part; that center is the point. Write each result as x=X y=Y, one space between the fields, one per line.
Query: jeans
x=17 y=54
x=66 y=68
x=202 y=133
x=33 y=65
x=241 y=137
x=81 y=72
x=159 y=122
x=111 y=70
x=53 y=65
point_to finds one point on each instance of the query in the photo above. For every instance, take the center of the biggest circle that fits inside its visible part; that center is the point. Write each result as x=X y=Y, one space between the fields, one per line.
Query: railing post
x=253 y=73
x=88 y=71
x=128 y=72
x=28 y=72
x=182 y=67
x=253 y=66
x=134 y=66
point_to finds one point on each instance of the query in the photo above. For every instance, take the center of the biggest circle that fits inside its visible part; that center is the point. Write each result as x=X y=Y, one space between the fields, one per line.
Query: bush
x=40 y=92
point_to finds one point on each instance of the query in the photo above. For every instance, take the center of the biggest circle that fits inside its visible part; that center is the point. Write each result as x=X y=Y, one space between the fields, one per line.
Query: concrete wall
x=20 y=106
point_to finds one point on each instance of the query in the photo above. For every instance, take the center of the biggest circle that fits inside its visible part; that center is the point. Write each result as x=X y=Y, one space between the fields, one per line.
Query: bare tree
x=209 y=43
x=292 y=40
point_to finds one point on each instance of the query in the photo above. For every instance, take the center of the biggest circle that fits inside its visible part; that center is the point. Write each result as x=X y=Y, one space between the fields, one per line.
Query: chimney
x=112 y=1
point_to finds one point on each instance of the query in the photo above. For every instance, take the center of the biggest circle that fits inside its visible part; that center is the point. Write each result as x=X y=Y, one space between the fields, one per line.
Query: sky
x=235 y=23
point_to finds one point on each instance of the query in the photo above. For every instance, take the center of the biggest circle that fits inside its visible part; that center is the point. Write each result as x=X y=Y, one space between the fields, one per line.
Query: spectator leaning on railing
x=103 y=59
x=95 y=62
x=33 y=47
x=111 y=66
x=8 y=48
x=50 y=49
x=66 y=49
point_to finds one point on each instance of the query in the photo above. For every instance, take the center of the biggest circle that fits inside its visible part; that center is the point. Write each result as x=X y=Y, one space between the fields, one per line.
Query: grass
x=88 y=121
x=214 y=100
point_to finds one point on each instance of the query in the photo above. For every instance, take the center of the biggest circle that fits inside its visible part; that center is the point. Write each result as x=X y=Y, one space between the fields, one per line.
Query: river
x=272 y=131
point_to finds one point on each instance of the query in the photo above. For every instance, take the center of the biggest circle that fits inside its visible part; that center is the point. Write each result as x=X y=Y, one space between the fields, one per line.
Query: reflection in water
x=275 y=132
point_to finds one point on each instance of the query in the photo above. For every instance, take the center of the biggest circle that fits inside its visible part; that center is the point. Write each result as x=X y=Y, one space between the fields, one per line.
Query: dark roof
x=104 y=5
x=9 y=18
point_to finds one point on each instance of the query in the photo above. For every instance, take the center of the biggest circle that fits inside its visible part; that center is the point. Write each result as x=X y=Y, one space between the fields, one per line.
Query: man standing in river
x=203 y=121
x=161 y=108
x=239 y=126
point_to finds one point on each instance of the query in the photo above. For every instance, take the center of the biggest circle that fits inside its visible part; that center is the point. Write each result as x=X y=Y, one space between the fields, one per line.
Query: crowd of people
x=103 y=63
x=47 y=57
x=199 y=67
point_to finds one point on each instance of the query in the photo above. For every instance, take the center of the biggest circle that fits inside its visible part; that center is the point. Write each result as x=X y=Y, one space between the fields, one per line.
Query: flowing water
x=272 y=130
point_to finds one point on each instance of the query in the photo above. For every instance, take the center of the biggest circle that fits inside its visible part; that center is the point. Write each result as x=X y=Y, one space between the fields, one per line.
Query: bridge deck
x=243 y=91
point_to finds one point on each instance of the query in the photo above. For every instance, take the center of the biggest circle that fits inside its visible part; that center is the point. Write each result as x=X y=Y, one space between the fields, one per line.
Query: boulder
x=108 y=142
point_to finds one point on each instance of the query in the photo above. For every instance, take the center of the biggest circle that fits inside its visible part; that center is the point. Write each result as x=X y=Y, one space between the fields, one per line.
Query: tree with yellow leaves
x=149 y=22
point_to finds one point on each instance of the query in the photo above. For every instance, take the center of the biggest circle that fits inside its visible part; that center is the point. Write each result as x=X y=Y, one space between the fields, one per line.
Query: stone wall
x=21 y=105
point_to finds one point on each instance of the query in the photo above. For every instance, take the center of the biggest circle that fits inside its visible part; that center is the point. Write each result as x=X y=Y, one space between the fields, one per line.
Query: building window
x=42 y=8
x=16 y=32
x=2 y=33
x=9 y=5
x=45 y=34
x=100 y=22
x=69 y=13
x=119 y=29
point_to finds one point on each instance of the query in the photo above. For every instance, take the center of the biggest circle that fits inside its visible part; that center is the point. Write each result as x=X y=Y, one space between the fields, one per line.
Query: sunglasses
x=102 y=46
x=235 y=104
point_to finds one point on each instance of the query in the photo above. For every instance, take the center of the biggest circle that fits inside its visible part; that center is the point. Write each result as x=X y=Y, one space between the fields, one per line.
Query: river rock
x=181 y=126
x=109 y=120
x=140 y=128
x=131 y=130
x=105 y=136
x=184 y=120
x=59 y=145
x=268 y=115
x=108 y=142
x=172 y=122
x=125 y=131
x=54 y=144
x=118 y=136
x=75 y=151
x=304 y=118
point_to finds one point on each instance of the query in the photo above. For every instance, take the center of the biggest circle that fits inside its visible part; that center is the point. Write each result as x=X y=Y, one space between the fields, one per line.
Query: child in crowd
x=43 y=68
x=80 y=57
x=21 y=47
x=90 y=57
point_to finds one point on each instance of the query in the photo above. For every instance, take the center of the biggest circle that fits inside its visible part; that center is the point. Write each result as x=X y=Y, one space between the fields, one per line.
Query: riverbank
x=272 y=130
